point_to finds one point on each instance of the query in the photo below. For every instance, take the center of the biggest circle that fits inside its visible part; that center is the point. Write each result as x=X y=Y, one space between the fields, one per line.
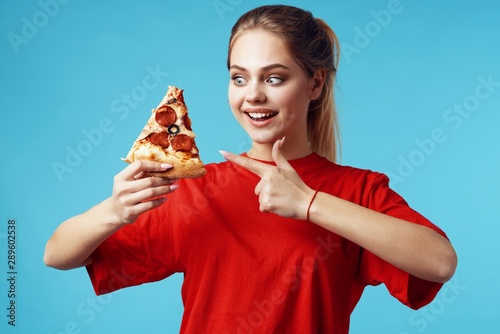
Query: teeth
x=260 y=115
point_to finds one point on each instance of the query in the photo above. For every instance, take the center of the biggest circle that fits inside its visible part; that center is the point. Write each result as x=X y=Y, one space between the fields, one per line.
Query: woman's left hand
x=280 y=190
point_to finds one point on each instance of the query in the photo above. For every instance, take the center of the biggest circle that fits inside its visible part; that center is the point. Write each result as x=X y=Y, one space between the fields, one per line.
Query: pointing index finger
x=254 y=166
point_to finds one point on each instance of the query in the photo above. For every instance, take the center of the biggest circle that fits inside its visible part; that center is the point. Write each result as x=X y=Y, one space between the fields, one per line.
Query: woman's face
x=269 y=92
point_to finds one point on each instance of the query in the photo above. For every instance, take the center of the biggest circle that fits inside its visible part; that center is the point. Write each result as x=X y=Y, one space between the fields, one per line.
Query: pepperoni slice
x=187 y=122
x=165 y=115
x=159 y=138
x=182 y=142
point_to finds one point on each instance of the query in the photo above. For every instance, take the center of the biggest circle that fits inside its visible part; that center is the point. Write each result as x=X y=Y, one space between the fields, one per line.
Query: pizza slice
x=169 y=138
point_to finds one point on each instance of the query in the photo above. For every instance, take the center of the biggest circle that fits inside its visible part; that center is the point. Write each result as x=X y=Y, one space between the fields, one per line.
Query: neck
x=290 y=150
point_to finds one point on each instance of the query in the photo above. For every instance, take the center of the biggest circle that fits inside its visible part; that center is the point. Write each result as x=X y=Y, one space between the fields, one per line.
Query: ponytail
x=322 y=120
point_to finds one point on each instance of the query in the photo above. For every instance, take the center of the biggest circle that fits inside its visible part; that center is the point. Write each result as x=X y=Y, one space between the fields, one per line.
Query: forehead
x=258 y=48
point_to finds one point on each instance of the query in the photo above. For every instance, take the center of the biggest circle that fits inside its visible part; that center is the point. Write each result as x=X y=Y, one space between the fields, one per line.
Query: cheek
x=293 y=100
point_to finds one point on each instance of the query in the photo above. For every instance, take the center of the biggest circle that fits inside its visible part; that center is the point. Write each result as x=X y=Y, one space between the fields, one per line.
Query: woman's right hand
x=135 y=192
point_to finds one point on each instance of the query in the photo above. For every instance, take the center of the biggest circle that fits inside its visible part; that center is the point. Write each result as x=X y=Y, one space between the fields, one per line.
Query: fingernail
x=174 y=186
x=224 y=153
x=282 y=142
x=166 y=166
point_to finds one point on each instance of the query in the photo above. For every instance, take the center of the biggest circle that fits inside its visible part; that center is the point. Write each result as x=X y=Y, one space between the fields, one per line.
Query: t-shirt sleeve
x=144 y=251
x=410 y=290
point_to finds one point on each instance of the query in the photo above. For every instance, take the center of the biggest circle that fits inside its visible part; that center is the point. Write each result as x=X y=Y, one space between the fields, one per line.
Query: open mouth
x=258 y=116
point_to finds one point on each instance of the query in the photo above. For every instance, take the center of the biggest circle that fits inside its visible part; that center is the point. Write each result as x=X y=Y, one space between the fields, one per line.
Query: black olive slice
x=172 y=100
x=173 y=129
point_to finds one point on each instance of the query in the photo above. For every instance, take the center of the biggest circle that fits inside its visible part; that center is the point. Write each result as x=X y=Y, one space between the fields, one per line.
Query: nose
x=255 y=93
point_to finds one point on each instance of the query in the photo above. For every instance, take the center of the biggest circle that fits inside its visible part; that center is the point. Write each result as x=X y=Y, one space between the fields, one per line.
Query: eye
x=273 y=80
x=238 y=80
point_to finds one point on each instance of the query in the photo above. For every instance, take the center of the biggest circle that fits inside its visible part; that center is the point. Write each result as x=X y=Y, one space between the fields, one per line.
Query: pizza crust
x=180 y=171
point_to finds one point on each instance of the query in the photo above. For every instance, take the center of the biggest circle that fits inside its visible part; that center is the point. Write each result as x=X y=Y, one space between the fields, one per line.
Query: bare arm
x=416 y=249
x=74 y=240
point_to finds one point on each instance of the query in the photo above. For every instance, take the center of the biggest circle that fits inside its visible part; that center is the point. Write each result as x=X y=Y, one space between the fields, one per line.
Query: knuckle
x=135 y=165
x=139 y=165
x=129 y=214
x=146 y=206
x=122 y=201
x=267 y=207
x=149 y=182
x=268 y=177
x=150 y=192
x=267 y=191
x=118 y=191
x=265 y=200
x=263 y=208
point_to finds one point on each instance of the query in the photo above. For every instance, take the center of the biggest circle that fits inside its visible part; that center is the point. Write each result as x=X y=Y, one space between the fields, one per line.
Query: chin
x=264 y=139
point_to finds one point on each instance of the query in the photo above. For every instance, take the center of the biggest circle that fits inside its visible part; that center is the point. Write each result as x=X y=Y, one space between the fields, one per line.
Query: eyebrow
x=265 y=68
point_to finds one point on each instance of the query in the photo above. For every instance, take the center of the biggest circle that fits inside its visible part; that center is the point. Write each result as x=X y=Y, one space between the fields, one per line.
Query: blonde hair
x=314 y=46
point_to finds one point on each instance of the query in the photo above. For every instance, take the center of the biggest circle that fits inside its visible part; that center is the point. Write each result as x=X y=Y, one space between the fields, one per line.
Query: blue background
x=67 y=68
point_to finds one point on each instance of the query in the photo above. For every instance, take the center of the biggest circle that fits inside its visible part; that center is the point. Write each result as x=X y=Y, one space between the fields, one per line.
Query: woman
x=279 y=239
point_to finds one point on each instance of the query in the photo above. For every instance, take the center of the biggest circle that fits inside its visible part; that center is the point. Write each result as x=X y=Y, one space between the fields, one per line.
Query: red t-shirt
x=251 y=272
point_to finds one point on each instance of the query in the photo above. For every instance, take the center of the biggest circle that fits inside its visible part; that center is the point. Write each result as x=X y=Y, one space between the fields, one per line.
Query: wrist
x=109 y=217
x=309 y=206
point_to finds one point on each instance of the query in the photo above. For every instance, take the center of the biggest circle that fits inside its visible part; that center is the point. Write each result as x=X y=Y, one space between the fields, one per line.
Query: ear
x=317 y=82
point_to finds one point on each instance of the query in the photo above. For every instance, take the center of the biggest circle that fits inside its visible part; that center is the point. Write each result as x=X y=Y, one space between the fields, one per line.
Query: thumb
x=278 y=156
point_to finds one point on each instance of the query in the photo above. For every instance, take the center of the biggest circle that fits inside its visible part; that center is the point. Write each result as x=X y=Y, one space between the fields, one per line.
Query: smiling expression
x=269 y=92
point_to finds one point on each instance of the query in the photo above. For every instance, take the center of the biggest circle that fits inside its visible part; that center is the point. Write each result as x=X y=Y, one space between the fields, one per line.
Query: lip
x=259 y=123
